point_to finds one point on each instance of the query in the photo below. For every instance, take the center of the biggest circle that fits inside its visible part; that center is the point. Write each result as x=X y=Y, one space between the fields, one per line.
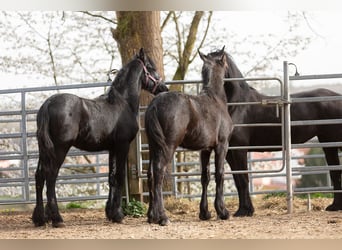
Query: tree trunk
x=135 y=30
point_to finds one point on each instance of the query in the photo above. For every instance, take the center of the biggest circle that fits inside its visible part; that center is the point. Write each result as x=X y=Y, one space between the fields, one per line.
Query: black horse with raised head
x=194 y=122
x=240 y=91
x=108 y=123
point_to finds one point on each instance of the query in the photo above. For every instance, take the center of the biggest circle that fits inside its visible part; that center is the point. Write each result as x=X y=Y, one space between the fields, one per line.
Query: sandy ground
x=270 y=221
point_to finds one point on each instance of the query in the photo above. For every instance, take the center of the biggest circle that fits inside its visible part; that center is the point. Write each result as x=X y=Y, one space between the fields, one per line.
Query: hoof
x=39 y=218
x=58 y=224
x=205 y=215
x=164 y=222
x=117 y=218
x=224 y=215
x=333 y=207
x=244 y=212
x=39 y=224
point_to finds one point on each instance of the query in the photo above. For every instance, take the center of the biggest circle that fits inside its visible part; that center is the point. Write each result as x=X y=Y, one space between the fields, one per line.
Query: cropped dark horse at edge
x=108 y=122
x=194 y=122
x=240 y=91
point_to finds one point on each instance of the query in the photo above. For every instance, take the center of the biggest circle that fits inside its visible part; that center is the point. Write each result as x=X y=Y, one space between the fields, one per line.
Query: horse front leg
x=331 y=155
x=220 y=208
x=116 y=179
x=156 y=212
x=237 y=160
x=205 y=178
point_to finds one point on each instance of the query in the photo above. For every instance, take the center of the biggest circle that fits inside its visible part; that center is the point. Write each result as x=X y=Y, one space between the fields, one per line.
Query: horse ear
x=202 y=56
x=223 y=60
x=142 y=54
x=222 y=50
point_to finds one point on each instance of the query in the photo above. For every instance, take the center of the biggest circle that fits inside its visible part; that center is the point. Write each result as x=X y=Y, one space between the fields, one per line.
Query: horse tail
x=45 y=144
x=154 y=130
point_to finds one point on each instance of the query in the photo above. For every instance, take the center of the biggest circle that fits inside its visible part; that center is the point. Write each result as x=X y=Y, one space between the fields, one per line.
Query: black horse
x=240 y=91
x=108 y=122
x=194 y=122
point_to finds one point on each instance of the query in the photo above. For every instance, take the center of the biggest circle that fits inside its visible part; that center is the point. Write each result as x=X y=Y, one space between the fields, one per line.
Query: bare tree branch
x=192 y=36
x=53 y=65
x=204 y=36
x=179 y=36
x=310 y=27
x=31 y=27
x=184 y=57
x=169 y=15
x=98 y=16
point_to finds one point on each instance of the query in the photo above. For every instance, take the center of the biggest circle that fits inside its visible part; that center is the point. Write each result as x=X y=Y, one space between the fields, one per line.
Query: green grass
x=316 y=195
x=73 y=205
x=271 y=195
x=301 y=196
x=8 y=211
x=134 y=208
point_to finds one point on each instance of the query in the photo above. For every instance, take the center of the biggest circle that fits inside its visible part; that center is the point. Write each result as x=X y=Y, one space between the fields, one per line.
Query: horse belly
x=91 y=142
x=271 y=136
x=198 y=139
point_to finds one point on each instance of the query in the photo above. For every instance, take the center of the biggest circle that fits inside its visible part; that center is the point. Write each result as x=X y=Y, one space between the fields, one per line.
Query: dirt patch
x=270 y=221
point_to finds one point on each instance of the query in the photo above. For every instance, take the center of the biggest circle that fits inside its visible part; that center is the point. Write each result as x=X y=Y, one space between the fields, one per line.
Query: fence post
x=24 y=147
x=287 y=131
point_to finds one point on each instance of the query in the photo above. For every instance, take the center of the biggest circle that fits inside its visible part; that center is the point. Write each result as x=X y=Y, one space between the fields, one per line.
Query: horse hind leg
x=51 y=208
x=331 y=155
x=220 y=208
x=156 y=212
x=116 y=181
x=38 y=216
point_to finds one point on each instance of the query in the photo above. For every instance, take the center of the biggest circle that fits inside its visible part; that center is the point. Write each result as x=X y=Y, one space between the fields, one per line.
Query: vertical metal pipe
x=139 y=148
x=24 y=146
x=287 y=132
x=126 y=183
x=174 y=178
x=250 y=175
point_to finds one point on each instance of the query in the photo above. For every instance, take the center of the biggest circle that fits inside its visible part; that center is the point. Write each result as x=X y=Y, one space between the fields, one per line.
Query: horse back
x=316 y=110
x=89 y=124
x=258 y=136
x=105 y=124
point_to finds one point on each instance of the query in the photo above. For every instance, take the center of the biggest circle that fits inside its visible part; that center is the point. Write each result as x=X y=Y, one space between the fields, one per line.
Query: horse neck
x=237 y=91
x=216 y=84
x=127 y=84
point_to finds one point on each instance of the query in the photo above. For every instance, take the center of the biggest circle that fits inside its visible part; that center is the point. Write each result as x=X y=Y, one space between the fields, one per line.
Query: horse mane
x=233 y=71
x=119 y=81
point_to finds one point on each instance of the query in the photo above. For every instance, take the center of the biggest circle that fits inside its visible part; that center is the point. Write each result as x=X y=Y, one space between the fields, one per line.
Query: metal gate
x=283 y=102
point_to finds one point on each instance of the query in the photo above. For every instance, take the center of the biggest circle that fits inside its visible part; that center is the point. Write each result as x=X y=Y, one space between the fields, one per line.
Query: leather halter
x=149 y=77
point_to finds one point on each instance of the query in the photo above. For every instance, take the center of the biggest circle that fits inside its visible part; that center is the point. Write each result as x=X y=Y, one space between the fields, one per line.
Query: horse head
x=217 y=62
x=152 y=82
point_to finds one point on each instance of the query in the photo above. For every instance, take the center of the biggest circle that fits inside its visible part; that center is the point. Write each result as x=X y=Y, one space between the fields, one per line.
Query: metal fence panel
x=18 y=149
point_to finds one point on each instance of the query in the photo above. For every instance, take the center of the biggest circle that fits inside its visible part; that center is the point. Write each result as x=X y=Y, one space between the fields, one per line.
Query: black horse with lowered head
x=108 y=123
x=194 y=122
x=240 y=91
